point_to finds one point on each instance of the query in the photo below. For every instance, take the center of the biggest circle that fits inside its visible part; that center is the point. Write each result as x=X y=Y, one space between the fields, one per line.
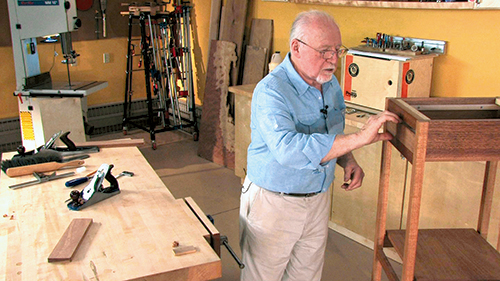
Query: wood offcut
x=71 y=239
x=184 y=250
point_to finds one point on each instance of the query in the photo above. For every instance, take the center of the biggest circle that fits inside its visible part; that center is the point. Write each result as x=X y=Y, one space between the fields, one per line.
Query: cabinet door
x=356 y=210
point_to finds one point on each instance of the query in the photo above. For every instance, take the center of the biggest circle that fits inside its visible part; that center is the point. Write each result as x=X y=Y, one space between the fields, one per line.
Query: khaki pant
x=282 y=237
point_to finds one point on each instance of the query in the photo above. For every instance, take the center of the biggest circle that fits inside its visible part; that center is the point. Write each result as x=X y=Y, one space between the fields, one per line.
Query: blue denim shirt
x=290 y=135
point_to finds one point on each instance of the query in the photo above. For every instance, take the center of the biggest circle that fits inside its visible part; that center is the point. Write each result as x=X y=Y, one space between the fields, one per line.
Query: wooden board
x=232 y=30
x=255 y=64
x=71 y=239
x=215 y=21
x=216 y=10
x=112 y=143
x=216 y=142
x=261 y=35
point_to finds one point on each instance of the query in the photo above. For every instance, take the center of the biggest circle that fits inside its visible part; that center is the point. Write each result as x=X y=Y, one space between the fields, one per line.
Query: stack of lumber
x=230 y=64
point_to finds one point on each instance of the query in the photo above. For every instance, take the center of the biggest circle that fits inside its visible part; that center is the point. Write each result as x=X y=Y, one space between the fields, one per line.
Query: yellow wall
x=468 y=69
x=470 y=66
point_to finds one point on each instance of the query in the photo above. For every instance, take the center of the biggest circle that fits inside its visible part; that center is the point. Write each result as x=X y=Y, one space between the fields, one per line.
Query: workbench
x=131 y=237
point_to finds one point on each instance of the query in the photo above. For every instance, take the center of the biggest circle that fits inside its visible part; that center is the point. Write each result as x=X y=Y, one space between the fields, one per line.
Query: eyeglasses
x=328 y=54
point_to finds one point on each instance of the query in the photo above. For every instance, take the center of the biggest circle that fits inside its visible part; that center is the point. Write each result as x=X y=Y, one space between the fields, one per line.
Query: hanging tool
x=97 y=17
x=103 y=12
x=41 y=178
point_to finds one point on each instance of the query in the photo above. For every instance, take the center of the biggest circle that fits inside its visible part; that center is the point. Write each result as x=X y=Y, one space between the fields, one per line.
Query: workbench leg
x=381 y=218
x=417 y=179
x=487 y=198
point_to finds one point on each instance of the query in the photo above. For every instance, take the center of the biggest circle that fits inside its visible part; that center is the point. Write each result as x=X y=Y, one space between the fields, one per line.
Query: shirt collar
x=300 y=85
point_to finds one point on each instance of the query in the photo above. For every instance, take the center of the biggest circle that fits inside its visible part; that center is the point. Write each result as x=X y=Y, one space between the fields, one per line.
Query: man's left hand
x=353 y=175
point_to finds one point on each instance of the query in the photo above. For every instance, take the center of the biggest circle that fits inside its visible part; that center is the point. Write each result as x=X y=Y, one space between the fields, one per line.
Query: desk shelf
x=440 y=129
x=450 y=254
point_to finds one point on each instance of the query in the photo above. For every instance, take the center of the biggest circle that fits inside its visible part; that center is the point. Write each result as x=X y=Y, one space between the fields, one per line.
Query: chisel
x=77 y=181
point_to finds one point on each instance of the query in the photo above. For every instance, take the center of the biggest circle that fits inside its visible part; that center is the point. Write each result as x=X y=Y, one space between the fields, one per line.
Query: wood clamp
x=95 y=191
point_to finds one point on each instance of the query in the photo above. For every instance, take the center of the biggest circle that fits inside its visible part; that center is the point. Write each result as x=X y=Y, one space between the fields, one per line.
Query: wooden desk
x=130 y=238
x=432 y=130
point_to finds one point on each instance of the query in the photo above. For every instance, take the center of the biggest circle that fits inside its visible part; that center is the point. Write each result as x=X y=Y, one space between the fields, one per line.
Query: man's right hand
x=369 y=134
x=370 y=131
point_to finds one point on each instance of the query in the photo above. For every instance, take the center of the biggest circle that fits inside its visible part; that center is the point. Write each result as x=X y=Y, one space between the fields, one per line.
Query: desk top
x=245 y=90
x=130 y=238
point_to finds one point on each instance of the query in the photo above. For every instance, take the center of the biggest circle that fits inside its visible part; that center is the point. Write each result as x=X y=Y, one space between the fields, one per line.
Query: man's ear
x=294 y=48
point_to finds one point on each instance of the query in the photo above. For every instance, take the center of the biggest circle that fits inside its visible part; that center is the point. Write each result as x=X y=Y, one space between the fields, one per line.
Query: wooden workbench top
x=130 y=238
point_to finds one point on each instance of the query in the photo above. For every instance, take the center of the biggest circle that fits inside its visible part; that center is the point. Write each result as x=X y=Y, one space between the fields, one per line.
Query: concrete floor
x=216 y=190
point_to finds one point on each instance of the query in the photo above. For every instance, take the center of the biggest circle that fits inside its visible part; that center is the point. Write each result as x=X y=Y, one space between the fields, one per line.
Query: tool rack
x=440 y=129
x=165 y=52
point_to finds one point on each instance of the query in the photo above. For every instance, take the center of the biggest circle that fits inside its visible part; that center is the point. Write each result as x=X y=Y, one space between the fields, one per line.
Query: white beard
x=323 y=79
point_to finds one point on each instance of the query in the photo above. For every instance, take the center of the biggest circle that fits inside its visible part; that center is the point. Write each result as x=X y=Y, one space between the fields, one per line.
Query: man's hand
x=353 y=174
x=370 y=133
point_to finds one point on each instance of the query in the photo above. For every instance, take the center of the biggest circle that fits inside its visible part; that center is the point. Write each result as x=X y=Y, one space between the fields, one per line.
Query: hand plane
x=95 y=191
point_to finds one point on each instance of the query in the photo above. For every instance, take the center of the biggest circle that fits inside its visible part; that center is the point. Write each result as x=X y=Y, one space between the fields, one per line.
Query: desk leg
x=417 y=179
x=383 y=196
x=487 y=198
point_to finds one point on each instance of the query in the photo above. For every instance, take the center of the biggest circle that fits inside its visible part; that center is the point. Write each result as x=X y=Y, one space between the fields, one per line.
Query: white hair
x=305 y=19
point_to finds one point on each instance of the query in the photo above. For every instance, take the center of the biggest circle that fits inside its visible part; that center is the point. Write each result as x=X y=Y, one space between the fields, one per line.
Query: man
x=297 y=123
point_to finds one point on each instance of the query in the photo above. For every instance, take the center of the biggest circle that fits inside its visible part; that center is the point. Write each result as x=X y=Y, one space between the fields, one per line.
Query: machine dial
x=410 y=75
x=353 y=69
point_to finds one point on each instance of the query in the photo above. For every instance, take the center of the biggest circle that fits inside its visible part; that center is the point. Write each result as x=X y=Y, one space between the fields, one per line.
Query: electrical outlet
x=105 y=58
